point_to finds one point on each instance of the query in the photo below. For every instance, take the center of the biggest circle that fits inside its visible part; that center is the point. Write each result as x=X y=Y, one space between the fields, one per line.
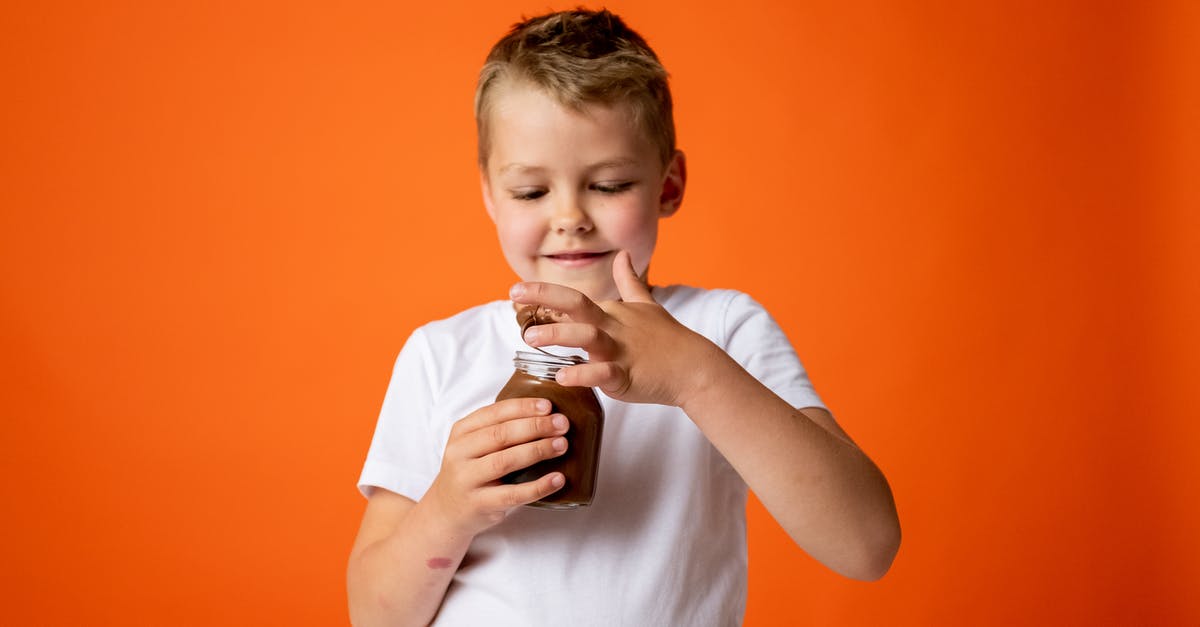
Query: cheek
x=517 y=233
x=638 y=234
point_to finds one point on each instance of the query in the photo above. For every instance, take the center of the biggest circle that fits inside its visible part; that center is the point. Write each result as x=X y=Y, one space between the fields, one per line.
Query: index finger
x=577 y=306
x=501 y=411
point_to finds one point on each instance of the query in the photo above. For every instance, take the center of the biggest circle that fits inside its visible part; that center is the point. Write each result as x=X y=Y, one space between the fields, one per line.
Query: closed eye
x=527 y=194
x=612 y=188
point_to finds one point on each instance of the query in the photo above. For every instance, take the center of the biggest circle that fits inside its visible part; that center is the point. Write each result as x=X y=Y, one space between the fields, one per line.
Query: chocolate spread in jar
x=534 y=378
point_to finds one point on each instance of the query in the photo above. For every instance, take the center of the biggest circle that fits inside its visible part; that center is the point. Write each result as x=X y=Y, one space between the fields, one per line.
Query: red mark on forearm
x=439 y=562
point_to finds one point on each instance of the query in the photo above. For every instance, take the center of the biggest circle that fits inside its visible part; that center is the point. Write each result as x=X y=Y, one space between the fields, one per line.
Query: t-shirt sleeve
x=754 y=339
x=405 y=456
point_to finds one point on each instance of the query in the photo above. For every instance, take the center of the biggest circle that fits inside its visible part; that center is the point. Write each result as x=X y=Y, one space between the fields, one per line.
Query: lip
x=577 y=258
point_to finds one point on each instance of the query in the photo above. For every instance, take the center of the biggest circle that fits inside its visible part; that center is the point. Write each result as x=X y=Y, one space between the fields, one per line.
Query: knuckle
x=512 y=498
x=499 y=462
x=626 y=382
x=498 y=434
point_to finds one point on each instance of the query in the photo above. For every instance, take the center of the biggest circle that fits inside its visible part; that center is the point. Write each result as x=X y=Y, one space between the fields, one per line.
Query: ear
x=674 y=181
x=486 y=188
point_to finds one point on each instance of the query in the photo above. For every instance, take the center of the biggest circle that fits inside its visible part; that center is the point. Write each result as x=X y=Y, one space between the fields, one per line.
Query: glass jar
x=534 y=378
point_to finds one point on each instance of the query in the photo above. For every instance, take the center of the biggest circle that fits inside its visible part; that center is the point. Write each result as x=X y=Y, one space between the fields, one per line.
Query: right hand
x=489 y=443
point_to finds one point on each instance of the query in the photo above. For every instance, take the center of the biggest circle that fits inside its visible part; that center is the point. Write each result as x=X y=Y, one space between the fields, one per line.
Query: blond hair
x=581 y=57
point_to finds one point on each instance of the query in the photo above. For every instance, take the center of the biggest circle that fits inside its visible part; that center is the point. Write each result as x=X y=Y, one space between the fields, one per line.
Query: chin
x=595 y=290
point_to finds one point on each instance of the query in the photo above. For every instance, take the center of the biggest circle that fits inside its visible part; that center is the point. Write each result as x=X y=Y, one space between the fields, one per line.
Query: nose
x=569 y=217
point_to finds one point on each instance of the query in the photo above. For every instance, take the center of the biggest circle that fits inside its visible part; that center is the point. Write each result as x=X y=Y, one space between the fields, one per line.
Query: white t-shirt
x=664 y=541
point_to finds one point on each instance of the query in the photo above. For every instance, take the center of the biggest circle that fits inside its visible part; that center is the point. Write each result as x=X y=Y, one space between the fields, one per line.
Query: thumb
x=629 y=286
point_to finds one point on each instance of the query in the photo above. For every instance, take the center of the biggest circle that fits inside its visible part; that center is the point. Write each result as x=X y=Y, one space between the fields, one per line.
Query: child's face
x=568 y=189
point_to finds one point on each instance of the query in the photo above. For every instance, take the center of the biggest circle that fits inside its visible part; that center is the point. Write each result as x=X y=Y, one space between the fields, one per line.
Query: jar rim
x=548 y=360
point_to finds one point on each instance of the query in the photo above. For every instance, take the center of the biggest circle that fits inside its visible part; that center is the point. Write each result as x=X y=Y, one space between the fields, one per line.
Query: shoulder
x=457 y=348
x=445 y=343
x=686 y=299
x=469 y=323
x=711 y=312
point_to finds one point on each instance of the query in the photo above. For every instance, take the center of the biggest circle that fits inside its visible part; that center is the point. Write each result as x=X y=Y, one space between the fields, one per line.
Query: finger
x=493 y=466
x=507 y=496
x=577 y=306
x=631 y=288
x=530 y=315
x=510 y=433
x=611 y=378
x=501 y=411
x=574 y=334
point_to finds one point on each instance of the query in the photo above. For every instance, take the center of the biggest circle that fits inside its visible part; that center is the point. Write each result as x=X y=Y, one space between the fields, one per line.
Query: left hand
x=637 y=351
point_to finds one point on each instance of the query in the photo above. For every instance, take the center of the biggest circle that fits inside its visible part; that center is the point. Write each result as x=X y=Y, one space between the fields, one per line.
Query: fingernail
x=516 y=291
x=531 y=334
x=559 y=421
x=557 y=480
x=542 y=405
x=559 y=444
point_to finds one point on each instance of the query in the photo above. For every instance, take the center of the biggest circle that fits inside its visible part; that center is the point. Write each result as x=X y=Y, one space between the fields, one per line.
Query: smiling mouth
x=576 y=256
x=577 y=260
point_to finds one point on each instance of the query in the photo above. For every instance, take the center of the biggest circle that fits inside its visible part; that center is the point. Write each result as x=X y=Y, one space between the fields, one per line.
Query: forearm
x=817 y=484
x=406 y=553
x=402 y=577
x=820 y=487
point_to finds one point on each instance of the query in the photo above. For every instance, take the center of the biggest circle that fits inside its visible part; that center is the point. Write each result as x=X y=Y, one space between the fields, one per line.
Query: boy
x=703 y=395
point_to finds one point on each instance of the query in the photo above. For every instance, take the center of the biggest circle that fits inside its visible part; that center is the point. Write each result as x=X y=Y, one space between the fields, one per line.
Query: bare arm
x=406 y=552
x=402 y=562
x=821 y=488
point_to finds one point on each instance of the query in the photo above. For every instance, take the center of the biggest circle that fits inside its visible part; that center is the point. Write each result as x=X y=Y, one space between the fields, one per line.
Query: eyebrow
x=521 y=167
x=613 y=163
x=536 y=169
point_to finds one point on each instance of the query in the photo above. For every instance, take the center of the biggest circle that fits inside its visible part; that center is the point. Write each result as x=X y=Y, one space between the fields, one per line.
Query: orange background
x=974 y=220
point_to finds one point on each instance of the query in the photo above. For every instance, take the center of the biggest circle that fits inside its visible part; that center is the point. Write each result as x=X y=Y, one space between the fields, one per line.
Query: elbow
x=367 y=606
x=875 y=554
x=878 y=541
x=877 y=565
